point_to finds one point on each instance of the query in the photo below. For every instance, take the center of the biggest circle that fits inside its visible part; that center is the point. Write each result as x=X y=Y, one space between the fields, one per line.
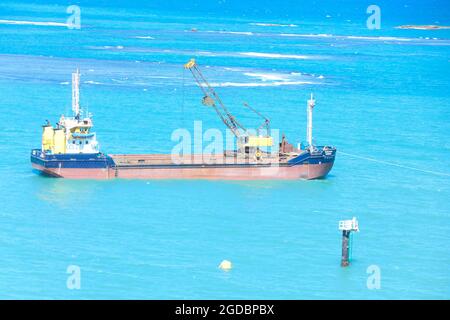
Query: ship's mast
x=309 y=112
x=76 y=93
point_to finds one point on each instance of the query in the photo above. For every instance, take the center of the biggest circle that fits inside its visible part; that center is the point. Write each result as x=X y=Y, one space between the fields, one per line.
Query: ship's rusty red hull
x=224 y=173
x=74 y=173
x=304 y=166
x=313 y=171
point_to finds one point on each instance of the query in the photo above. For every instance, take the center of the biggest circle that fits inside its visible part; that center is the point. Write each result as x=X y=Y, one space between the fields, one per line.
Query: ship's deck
x=199 y=159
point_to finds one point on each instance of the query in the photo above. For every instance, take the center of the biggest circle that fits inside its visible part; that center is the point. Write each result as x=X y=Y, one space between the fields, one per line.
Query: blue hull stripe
x=102 y=161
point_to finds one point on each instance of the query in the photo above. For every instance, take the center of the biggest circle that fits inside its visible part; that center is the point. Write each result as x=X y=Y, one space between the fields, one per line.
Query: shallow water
x=383 y=102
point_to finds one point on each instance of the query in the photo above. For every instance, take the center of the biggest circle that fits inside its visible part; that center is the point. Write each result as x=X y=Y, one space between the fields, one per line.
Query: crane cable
x=182 y=97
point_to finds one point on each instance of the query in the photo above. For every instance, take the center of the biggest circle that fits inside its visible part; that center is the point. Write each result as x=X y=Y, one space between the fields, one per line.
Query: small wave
x=34 y=23
x=211 y=54
x=144 y=37
x=106 y=47
x=272 y=24
x=268 y=76
x=423 y=27
x=101 y=47
x=274 y=55
x=232 y=69
x=319 y=35
x=242 y=33
x=65 y=83
x=92 y=82
x=245 y=33
x=206 y=53
x=324 y=35
x=380 y=38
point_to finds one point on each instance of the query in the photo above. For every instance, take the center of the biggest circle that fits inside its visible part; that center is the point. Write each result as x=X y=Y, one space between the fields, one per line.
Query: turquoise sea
x=383 y=100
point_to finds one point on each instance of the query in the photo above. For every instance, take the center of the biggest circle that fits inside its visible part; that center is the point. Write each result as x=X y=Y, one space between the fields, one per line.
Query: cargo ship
x=70 y=150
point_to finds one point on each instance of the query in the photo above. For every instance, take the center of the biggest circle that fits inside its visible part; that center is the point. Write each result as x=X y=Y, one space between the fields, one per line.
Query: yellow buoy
x=226 y=265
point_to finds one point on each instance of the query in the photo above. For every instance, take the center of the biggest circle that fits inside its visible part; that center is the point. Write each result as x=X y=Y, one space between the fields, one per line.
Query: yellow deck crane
x=247 y=143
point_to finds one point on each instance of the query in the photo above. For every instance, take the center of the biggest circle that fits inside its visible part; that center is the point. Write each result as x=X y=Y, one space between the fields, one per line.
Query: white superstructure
x=71 y=134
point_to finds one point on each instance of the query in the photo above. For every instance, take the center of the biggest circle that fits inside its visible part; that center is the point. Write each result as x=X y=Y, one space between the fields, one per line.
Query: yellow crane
x=246 y=142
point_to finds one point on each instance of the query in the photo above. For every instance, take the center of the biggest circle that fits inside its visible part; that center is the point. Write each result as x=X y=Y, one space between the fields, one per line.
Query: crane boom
x=212 y=99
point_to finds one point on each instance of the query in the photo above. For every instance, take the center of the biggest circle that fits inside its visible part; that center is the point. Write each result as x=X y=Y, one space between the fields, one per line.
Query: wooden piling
x=347 y=226
x=345 y=248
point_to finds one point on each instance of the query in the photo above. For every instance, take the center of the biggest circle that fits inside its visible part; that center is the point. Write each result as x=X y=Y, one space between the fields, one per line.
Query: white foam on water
x=245 y=33
x=92 y=82
x=215 y=54
x=65 y=83
x=260 y=84
x=323 y=35
x=100 y=48
x=320 y=35
x=144 y=37
x=274 y=55
x=35 y=23
x=268 y=76
x=232 y=69
x=272 y=24
x=380 y=38
x=207 y=53
x=242 y=33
